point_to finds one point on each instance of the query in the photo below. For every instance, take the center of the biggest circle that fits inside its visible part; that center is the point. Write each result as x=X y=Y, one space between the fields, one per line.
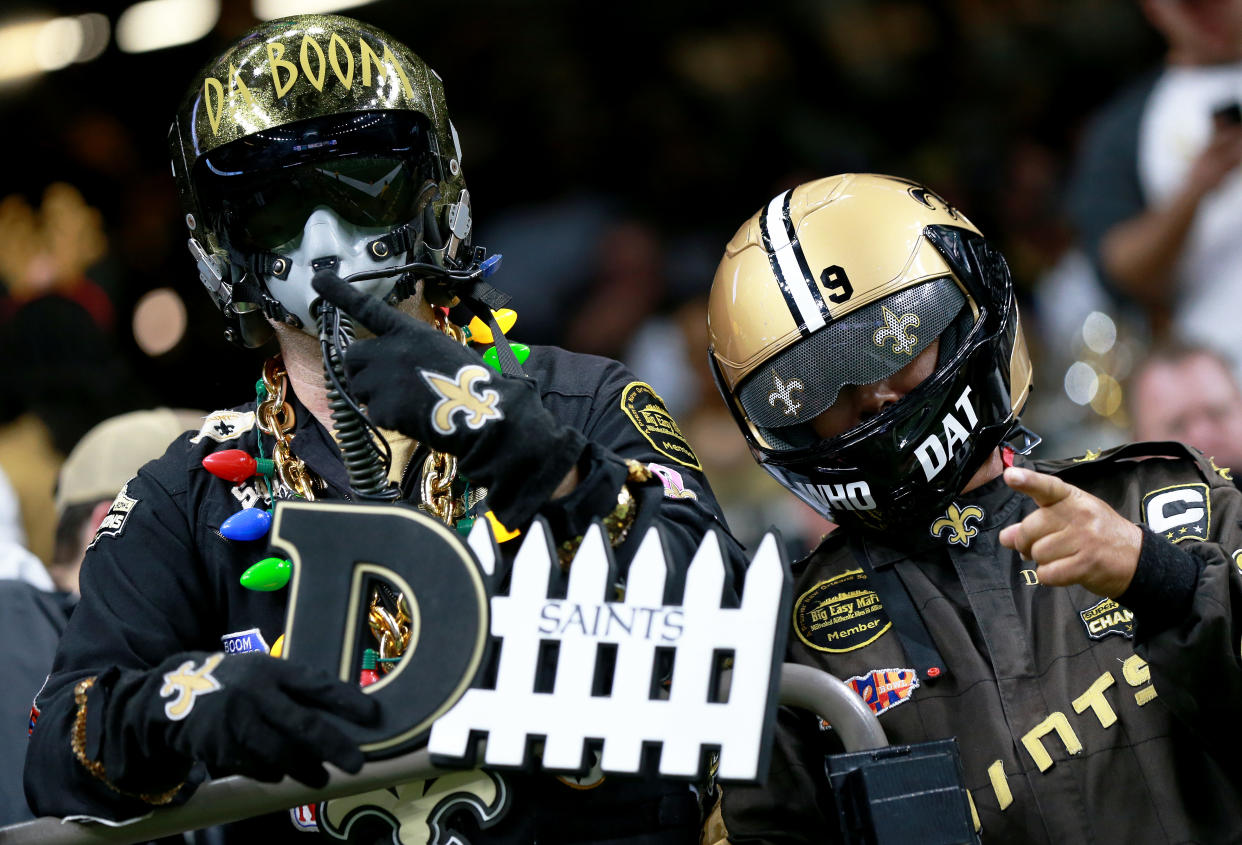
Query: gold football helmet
x=308 y=113
x=844 y=281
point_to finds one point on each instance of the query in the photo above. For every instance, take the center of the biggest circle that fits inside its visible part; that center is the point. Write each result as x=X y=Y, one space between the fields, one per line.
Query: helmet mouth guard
x=903 y=466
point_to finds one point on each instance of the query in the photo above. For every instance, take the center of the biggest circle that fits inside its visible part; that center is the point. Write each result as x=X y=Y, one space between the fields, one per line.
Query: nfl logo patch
x=304 y=818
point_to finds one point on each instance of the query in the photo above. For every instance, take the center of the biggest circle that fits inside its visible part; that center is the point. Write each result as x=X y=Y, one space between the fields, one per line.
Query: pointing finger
x=363 y=307
x=1046 y=490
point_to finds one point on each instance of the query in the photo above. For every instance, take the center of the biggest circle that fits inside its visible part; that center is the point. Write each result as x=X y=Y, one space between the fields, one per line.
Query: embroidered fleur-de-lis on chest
x=957 y=523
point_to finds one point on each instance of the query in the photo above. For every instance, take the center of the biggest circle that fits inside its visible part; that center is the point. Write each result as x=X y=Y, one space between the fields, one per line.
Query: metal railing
x=233 y=798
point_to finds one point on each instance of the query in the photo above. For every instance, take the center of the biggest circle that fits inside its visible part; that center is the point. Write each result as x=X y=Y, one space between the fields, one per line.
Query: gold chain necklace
x=276 y=418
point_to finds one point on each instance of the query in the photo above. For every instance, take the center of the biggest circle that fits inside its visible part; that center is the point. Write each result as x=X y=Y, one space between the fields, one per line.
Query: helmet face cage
x=903 y=466
x=290 y=93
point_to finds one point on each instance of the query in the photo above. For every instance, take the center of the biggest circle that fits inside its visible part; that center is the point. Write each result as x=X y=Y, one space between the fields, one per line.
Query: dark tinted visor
x=367 y=167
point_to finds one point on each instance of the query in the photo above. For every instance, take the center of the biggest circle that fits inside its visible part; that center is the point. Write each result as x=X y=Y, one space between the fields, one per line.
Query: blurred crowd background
x=611 y=150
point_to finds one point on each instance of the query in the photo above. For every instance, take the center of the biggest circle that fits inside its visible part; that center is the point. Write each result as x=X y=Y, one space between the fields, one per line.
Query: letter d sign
x=337 y=549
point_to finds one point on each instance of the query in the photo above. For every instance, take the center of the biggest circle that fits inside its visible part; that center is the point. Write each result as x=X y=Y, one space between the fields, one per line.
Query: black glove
x=243 y=714
x=418 y=381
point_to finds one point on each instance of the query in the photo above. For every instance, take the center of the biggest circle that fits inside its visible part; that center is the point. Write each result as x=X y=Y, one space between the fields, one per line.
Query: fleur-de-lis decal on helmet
x=897 y=331
x=957 y=521
x=783 y=391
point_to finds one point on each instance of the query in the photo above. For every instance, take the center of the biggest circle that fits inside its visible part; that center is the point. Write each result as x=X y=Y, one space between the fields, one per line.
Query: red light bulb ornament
x=236 y=465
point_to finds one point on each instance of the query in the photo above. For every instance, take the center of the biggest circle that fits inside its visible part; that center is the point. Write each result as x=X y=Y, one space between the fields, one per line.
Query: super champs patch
x=840 y=614
x=1107 y=617
x=646 y=410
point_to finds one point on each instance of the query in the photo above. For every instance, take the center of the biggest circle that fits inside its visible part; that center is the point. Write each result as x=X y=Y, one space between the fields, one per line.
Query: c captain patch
x=646 y=410
x=884 y=689
x=1181 y=512
x=840 y=614
x=1107 y=617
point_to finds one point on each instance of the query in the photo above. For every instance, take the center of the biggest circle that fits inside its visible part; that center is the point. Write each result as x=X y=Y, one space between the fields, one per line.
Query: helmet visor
x=862 y=347
x=368 y=192
x=368 y=168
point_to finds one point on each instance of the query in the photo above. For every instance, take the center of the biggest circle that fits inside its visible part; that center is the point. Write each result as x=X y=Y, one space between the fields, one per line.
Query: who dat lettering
x=934 y=454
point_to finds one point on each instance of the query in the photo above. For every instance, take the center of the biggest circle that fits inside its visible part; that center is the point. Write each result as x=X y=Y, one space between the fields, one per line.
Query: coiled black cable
x=364 y=450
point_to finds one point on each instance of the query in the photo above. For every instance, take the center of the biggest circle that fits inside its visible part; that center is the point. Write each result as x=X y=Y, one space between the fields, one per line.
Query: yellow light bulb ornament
x=481 y=333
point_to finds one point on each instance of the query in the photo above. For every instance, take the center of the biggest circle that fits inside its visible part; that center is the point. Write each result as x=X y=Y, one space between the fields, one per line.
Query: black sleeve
x=624 y=419
x=1187 y=602
x=143 y=598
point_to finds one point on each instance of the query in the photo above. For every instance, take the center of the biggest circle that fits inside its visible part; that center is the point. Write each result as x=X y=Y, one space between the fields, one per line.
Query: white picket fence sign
x=569 y=716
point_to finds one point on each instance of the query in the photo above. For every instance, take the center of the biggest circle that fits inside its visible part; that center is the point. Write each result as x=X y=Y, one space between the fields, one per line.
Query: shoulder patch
x=114 y=523
x=224 y=425
x=840 y=614
x=1107 y=617
x=646 y=410
x=1181 y=512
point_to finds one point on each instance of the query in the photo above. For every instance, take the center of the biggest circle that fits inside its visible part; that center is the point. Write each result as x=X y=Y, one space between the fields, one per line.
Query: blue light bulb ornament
x=247 y=524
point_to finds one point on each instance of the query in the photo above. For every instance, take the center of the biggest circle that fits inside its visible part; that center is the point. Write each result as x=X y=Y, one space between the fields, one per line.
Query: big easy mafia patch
x=646 y=410
x=840 y=614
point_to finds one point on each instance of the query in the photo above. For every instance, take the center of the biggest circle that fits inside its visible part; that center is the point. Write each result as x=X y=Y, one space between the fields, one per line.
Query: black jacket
x=1079 y=719
x=160 y=579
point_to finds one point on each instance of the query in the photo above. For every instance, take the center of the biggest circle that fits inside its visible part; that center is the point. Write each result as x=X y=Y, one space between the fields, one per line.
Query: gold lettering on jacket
x=1000 y=784
x=312 y=66
x=1032 y=740
x=1136 y=673
x=1094 y=698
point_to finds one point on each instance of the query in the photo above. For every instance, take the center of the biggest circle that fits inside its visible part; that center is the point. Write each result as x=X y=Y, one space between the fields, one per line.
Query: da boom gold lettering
x=313 y=64
x=275 y=50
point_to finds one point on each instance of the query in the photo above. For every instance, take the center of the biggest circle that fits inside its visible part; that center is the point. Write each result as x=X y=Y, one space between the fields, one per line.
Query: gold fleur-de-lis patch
x=460 y=394
x=897 y=331
x=1090 y=455
x=186 y=684
x=958 y=523
x=783 y=391
x=1223 y=472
